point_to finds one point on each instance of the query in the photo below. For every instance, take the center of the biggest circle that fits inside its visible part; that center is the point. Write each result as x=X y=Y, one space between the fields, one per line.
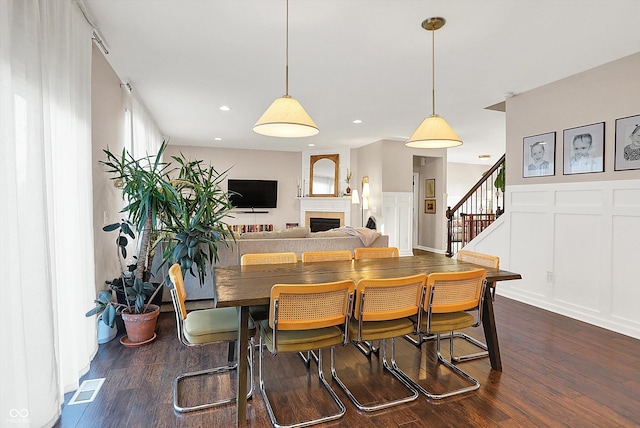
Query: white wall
x=254 y=164
x=573 y=238
x=460 y=178
x=108 y=102
x=431 y=227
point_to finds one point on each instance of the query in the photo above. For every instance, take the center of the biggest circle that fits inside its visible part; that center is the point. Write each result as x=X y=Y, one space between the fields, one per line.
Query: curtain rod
x=97 y=35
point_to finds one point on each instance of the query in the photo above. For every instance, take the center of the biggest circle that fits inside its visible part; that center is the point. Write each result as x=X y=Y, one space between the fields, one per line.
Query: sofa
x=297 y=240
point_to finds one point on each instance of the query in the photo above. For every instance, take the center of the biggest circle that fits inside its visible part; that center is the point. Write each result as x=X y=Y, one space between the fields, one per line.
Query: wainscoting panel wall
x=397 y=212
x=577 y=246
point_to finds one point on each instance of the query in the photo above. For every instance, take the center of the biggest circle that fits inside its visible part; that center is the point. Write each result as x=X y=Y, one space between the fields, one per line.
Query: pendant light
x=434 y=132
x=286 y=117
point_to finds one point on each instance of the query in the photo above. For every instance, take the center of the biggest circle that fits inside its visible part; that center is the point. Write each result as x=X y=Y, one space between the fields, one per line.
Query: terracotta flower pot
x=141 y=327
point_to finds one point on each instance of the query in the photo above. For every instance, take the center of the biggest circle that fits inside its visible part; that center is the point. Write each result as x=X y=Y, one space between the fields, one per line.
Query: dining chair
x=204 y=327
x=367 y=347
x=382 y=311
x=326 y=256
x=261 y=312
x=486 y=260
x=375 y=252
x=304 y=317
x=448 y=298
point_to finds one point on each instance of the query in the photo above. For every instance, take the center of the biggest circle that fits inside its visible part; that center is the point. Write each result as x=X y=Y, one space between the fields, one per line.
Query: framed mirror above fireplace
x=324 y=175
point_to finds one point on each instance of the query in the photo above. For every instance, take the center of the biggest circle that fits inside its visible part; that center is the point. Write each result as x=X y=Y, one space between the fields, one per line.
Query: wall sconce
x=365 y=192
x=355 y=200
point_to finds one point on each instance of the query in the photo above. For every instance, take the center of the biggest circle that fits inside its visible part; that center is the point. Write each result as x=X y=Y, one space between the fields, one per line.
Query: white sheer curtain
x=46 y=215
x=146 y=135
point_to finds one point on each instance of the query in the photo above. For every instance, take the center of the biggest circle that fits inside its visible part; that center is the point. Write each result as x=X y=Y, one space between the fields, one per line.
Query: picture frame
x=584 y=149
x=627 y=146
x=538 y=155
x=429 y=206
x=430 y=188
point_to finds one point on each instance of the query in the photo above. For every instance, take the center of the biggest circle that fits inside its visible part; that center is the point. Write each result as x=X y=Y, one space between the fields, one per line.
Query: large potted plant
x=184 y=213
x=148 y=196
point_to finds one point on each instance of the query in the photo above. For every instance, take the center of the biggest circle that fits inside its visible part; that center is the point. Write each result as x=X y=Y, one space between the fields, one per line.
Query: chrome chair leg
x=306 y=359
x=425 y=338
x=218 y=370
x=341 y=406
x=474 y=383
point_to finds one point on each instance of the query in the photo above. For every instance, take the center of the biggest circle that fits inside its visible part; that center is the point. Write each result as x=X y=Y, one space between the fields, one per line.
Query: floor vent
x=87 y=392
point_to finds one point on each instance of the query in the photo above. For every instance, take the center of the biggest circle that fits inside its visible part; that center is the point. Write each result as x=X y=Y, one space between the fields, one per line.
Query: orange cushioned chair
x=305 y=317
x=203 y=327
x=326 y=256
x=261 y=312
x=448 y=298
x=375 y=252
x=382 y=311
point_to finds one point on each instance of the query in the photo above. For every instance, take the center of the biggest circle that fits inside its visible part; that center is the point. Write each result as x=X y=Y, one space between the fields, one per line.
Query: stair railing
x=481 y=205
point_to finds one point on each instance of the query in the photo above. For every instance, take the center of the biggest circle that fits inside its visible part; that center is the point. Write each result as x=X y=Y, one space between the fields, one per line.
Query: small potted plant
x=347 y=180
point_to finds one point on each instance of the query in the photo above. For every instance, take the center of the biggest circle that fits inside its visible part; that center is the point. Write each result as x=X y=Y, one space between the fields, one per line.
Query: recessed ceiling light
x=218 y=139
x=357 y=121
x=224 y=108
x=484 y=156
x=311 y=145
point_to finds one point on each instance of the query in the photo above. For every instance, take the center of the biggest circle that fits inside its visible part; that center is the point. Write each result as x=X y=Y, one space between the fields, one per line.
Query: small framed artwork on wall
x=538 y=155
x=430 y=188
x=627 y=143
x=584 y=149
x=430 y=206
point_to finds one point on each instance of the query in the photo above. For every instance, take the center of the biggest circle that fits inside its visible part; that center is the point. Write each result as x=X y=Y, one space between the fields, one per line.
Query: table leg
x=489 y=325
x=242 y=352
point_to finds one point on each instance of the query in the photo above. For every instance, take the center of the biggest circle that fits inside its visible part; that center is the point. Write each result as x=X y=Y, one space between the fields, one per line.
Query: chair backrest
x=375 y=252
x=389 y=299
x=310 y=306
x=268 y=258
x=326 y=256
x=455 y=291
x=481 y=259
x=180 y=293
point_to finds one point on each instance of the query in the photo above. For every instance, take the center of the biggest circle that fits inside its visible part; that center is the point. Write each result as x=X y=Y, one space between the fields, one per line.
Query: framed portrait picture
x=430 y=206
x=627 y=143
x=584 y=149
x=430 y=188
x=538 y=155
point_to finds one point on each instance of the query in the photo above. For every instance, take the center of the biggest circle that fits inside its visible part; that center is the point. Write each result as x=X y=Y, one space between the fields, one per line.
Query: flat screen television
x=253 y=193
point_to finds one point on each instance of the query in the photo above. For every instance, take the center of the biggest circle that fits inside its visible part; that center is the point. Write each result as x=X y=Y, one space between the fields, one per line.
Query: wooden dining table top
x=251 y=285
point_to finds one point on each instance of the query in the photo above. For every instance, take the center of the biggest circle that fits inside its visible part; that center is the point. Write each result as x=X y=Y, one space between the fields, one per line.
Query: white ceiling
x=352 y=59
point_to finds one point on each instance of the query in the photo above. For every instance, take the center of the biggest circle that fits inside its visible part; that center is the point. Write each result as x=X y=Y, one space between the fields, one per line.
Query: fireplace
x=337 y=210
x=318 y=224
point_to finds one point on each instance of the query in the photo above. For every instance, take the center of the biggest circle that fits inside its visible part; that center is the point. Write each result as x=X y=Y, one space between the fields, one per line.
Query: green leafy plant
x=499 y=182
x=137 y=293
x=185 y=213
x=195 y=229
x=148 y=193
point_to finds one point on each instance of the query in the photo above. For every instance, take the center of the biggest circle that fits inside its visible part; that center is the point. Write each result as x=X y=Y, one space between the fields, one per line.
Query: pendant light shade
x=286 y=117
x=434 y=132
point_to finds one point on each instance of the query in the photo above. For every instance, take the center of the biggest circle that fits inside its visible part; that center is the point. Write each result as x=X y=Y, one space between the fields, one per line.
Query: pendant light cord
x=433 y=71
x=286 y=73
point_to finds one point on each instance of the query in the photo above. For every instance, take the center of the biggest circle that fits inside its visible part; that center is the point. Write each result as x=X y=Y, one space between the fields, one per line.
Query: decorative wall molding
x=576 y=247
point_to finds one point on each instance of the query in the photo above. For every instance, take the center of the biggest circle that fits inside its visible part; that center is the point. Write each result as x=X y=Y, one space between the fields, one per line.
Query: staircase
x=482 y=204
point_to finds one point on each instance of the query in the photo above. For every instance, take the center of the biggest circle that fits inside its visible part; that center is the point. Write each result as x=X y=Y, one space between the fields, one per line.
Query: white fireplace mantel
x=320 y=205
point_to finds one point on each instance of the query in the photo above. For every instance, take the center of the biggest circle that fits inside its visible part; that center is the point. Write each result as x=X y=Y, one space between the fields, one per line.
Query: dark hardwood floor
x=557 y=372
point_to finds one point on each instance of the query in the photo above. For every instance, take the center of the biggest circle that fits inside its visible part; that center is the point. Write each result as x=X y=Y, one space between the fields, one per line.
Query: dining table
x=244 y=286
